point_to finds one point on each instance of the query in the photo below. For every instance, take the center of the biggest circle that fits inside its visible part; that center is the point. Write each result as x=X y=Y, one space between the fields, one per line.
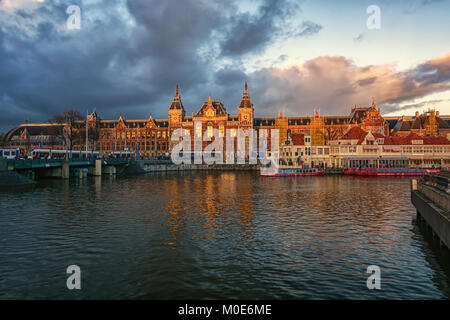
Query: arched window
x=198 y=131
x=209 y=130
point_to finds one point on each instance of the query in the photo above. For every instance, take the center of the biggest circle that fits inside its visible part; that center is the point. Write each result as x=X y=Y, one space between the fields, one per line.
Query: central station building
x=151 y=137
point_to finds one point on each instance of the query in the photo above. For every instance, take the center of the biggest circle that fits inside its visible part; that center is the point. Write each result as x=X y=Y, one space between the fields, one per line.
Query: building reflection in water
x=436 y=254
x=221 y=203
x=219 y=235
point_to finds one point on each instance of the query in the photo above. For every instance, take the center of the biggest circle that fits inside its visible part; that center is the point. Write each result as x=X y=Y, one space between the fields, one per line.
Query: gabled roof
x=355 y=133
x=151 y=123
x=358 y=114
x=216 y=105
x=121 y=122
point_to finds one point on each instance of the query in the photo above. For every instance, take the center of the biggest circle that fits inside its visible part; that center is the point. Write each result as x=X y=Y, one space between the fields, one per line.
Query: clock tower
x=176 y=116
x=245 y=110
x=176 y=111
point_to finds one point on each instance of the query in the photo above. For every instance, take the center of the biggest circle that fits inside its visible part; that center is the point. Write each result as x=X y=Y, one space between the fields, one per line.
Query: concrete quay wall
x=433 y=206
x=146 y=166
x=10 y=178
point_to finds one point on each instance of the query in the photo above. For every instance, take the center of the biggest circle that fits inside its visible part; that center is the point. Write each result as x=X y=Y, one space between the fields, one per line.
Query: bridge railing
x=115 y=161
x=24 y=164
x=156 y=161
x=35 y=163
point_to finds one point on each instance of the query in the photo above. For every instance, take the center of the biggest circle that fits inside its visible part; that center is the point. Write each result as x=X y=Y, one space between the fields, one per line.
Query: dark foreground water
x=217 y=236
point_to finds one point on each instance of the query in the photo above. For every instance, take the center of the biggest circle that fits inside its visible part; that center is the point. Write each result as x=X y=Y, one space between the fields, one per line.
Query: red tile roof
x=435 y=140
x=298 y=139
x=356 y=133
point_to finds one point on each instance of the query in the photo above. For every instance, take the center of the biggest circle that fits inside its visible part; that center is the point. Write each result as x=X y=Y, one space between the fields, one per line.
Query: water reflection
x=216 y=235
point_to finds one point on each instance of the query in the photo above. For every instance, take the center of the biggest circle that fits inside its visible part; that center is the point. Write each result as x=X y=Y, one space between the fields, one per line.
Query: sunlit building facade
x=324 y=135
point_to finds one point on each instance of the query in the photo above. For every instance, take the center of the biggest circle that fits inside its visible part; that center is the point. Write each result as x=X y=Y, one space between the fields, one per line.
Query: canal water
x=217 y=235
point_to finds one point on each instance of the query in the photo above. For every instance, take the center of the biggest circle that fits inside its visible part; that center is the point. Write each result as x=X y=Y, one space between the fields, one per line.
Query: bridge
x=63 y=168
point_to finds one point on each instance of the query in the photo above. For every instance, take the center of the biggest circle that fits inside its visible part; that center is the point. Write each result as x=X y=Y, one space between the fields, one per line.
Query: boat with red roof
x=390 y=171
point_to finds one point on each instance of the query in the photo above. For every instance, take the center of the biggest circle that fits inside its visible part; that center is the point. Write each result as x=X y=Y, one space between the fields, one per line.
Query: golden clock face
x=210 y=113
x=246 y=117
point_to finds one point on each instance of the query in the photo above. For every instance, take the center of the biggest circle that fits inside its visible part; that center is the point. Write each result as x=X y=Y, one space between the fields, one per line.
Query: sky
x=296 y=55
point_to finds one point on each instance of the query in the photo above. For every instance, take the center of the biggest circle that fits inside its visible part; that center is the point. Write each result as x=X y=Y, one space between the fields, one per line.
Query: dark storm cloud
x=46 y=69
x=128 y=55
x=226 y=77
x=249 y=33
x=252 y=33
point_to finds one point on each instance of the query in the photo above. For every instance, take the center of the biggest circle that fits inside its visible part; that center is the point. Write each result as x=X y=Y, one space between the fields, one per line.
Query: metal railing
x=440 y=182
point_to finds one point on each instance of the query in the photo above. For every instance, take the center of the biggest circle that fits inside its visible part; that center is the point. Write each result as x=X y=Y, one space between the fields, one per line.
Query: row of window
x=132 y=146
x=353 y=149
x=428 y=149
x=307 y=151
x=133 y=135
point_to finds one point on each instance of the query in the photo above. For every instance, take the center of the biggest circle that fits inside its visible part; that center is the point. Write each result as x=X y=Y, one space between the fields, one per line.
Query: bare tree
x=69 y=130
x=2 y=138
x=94 y=135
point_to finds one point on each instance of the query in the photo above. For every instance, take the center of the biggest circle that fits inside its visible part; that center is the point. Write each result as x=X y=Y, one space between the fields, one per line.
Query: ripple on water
x=217 y=235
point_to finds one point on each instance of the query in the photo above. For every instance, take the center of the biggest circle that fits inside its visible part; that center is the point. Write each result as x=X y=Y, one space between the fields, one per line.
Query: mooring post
x=65 y=172
x=98 y=167
x=414 y=185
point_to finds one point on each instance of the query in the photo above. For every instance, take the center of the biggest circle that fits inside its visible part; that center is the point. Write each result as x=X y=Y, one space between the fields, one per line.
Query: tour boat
x=351 y=171
x=390 y=171
x=288 y=172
